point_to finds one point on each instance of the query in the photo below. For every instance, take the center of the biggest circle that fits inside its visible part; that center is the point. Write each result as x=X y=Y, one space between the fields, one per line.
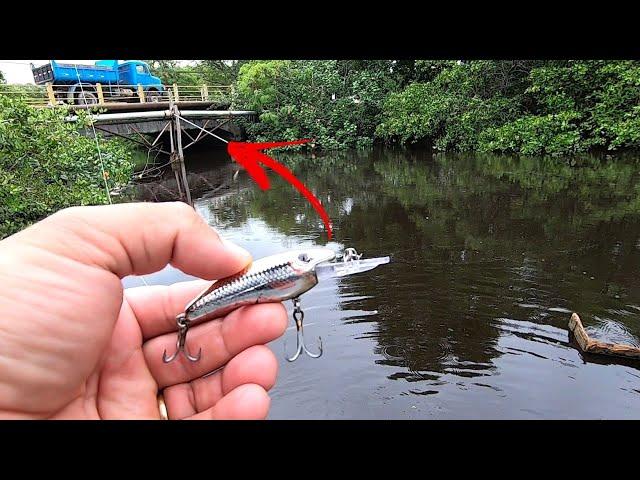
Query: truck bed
x=68 y=73
x=87 y=73
x=43 y=74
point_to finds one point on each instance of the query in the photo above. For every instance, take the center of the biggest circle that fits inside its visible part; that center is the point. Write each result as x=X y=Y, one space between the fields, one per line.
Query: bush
x=529 y=107
x=535 y=135
x=454 y=107
x=337 y=103
x=46 y=165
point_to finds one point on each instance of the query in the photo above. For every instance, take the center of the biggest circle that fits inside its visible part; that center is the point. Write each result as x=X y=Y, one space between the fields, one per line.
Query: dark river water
x=490 y=255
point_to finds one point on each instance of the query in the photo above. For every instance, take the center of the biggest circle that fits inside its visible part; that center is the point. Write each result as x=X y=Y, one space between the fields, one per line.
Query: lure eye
x=304 y=257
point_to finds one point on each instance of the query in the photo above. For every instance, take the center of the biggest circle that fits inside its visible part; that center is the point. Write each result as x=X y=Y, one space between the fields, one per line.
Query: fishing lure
x=276 y=278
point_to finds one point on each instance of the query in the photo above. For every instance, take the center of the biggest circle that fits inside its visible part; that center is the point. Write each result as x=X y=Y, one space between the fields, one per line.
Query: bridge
x=127 y=97
x=158 y=122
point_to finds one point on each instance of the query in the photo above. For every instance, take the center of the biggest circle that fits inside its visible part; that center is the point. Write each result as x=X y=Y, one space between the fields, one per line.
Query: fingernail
x=236 y=250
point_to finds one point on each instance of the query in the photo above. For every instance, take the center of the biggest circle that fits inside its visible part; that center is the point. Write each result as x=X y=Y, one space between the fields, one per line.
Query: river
x=490 y=255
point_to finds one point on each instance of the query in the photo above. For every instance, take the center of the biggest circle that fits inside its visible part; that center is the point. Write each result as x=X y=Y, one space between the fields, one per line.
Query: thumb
x=139 y=238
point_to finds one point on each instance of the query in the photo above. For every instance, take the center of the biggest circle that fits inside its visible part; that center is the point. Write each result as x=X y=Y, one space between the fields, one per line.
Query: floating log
x=590 y=345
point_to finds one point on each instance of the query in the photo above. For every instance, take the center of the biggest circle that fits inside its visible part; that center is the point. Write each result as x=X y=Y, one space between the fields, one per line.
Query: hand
x=74 y=344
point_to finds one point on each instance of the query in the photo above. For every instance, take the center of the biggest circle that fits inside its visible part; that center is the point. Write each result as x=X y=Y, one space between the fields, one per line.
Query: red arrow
x=249 y=156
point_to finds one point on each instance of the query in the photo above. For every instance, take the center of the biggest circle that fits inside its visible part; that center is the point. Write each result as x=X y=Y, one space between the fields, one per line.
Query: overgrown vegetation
x=337 y=103
x=529 y=107
x=46 y=165
x=209 y=72
x=170 y=72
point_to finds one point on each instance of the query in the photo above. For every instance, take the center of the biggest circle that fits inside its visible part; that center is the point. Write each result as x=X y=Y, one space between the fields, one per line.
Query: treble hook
x=350 y=254
x=183 y=328
x=298 y=317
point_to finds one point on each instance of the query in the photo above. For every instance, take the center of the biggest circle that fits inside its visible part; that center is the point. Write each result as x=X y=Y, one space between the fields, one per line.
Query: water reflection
x=489 y=254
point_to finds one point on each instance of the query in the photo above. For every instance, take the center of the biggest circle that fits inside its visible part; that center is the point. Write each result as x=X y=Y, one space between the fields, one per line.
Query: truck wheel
x=152 y=96
x=86 y=97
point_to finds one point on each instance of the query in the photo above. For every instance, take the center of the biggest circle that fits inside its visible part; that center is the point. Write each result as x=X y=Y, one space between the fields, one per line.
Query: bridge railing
x=31 y=94
x=52 y=94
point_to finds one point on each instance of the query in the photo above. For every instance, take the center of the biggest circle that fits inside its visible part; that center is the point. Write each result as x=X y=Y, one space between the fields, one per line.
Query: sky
x=19 y=71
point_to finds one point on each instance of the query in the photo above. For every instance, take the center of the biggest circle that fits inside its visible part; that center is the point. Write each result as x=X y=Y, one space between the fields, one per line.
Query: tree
x=576 y=106
x=219 y=72
x=46 y=164
x=209 y=72
x=170 y=72
x=335 y=102
x=460 y=101
x=529 y=107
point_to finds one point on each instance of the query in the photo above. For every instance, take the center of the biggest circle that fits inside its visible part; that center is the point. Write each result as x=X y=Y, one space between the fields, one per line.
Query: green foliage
x=456 y=105
x=25 y=91
x=601 y=97
x=170 y=72
x=202 y=72
x=219 y=72
x=516 y=106
x=335 y=102
x=209 y=72
x=46 y=165
x=529 y=107
x=258 y=83
x=555 y=133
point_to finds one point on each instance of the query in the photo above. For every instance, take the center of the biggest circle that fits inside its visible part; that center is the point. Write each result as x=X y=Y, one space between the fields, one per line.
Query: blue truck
x=76 y=84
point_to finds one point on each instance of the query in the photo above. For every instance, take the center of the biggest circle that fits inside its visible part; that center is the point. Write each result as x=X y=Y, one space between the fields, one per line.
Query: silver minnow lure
x=276 y=278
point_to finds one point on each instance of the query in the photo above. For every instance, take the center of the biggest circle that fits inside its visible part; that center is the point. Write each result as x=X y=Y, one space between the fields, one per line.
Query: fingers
x=256 y=365
x=139 y=238
x=247 y=402
x=220 y=341
x=156 y=306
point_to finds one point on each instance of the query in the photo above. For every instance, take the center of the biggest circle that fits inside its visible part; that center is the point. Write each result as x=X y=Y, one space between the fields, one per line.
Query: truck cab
x=134 y=72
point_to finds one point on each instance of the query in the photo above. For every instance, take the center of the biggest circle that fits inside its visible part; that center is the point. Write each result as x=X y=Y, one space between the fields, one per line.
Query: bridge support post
x=173 y=157
x=51 y=94
x=177 y=156
x=100 y=94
